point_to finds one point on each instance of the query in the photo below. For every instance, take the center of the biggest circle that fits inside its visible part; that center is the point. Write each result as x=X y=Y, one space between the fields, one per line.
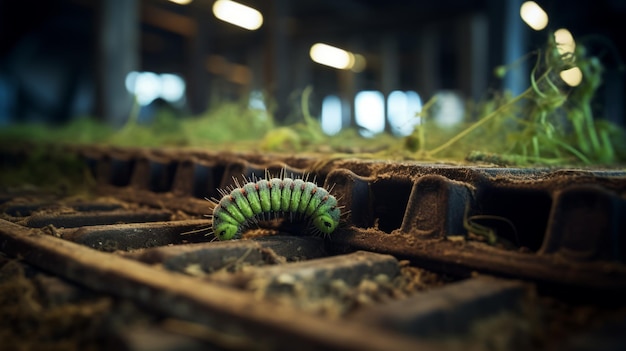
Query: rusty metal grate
x=401 y=273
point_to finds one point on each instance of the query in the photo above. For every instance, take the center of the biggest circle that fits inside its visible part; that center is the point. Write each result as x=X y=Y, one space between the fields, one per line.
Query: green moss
x=47 y=167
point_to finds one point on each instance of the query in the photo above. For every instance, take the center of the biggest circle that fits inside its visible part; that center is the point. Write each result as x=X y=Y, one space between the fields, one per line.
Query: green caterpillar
x=269 y=198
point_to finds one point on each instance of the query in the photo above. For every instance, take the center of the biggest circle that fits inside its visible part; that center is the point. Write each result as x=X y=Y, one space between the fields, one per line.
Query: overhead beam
x=168 y=20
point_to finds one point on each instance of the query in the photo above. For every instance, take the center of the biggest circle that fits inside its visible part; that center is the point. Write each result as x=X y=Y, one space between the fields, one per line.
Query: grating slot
x=26 y=209
x=4 y=198
x=96 y=218
x=316 y=277
x=121 y=172
x=294 y=248
x=587 y=223
x=162 y=176
x=206 y=180
x=527 y=209
x=219 y=256
x=232 y=171
x=449 y=309
x=95 y=207
x=131 y=236
x=22 y=210
x=390 y=198
x=177 y=257
x=92 y=164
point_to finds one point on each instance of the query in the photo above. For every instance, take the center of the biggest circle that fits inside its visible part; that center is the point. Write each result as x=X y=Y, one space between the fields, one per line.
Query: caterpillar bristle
x=207 y=229
x=332 y=187
x=236 y=181
x=339 y=198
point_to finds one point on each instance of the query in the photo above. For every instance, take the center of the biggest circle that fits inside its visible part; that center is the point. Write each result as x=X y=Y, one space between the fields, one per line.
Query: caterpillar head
x=226 y=231
x=327 y=222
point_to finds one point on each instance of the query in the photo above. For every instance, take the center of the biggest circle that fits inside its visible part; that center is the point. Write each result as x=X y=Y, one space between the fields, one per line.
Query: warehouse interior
x=312 y=174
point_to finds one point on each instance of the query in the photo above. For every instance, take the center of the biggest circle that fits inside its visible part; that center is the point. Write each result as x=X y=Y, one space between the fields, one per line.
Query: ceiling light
x=533 y=15
x=181 y=2
x=238 y=14
x=332 y=56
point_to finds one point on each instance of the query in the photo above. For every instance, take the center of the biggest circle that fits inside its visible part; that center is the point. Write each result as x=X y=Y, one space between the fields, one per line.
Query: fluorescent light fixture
x=564 y=41
x=328 y=55
x=533 y=15
x=238 y=14
x=181 y=2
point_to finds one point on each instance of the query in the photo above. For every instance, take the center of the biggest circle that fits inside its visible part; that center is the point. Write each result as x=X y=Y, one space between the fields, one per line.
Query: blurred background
x=371 y=63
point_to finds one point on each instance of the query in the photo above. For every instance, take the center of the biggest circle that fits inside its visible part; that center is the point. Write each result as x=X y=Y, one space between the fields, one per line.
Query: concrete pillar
x=473 y=64
x=197 y=76
x=428 y=78
x=507 y=43
x=117 y=54
x=390 y=79
x=278 y=66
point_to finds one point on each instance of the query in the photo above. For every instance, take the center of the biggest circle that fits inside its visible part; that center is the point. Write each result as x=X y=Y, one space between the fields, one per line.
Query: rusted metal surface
x=402 y=272
x=449 y=309
x=270 y=325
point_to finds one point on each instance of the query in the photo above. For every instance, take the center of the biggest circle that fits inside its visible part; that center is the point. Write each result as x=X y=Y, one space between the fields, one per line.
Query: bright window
x=402 y=110
x=369 y=111
x=148 y=86
x=331 y=114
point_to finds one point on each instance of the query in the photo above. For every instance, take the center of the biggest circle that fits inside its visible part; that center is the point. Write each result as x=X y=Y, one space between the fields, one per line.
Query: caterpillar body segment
x=296 y=195
x=264 y=195
x=265 y=199
x=285 y=197
x=275 y=186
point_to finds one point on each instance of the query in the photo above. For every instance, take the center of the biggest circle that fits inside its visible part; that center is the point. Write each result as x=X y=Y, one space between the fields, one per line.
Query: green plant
x=549 y=123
